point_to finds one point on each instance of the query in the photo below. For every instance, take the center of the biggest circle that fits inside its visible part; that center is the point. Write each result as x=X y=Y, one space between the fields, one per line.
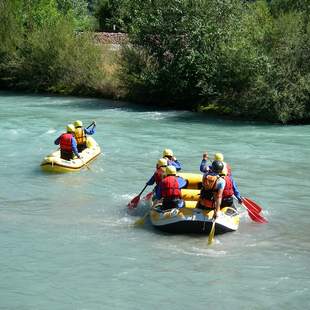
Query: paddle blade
x=211 y=234
x=133 y=203
x=255 y=216
x=148 y=196
x=252 y=205
x=258 y=218
x=141 y=220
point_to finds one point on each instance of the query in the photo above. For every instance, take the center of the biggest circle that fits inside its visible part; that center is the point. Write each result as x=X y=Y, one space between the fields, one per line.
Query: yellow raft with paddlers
x=189 y=219
x=53 y=162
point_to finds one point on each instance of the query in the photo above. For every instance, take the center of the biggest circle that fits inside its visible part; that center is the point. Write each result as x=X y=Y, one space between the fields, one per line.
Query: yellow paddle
x=211 y=234
x=85 y=164
x=141 y=220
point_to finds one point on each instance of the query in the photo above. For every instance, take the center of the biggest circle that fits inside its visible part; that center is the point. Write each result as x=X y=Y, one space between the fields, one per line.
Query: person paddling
x=159 y=173
x=68 y=145
x=230 y=190
x=212 y=189
x=172 y=161
x=80 y=134
x=169 y=189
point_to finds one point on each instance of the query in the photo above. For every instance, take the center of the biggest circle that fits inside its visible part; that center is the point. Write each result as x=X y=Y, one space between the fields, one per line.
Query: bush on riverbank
x=245 y=59
x=47 y=54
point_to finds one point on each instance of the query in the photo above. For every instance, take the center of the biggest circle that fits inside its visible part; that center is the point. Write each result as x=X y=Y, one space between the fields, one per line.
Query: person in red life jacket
x=68 y=145
x=212 y=188
x=159 y=173
x=169 y=190
x=231 y=187
x=172 y=161
x=230 y=190
x=80 y=134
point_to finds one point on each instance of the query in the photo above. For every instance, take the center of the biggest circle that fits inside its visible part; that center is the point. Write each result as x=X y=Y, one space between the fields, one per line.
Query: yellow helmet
x=219 y=156
x=70 y=128
x=78 y=123
x=170 y=170
x=162 y=162
x=167 y=152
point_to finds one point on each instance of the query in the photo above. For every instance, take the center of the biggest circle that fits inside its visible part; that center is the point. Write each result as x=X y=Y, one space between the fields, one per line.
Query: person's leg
x=66 y=155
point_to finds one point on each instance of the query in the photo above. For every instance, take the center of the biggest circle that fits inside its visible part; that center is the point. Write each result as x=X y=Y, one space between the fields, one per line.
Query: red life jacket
x=228 y=189
x=159 y=173
x=65 y=142
x=170 y=187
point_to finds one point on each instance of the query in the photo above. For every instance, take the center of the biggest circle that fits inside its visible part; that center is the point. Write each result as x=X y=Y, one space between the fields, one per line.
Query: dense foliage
x=41 y=49
x=240 y=57
x=112 y=15
x=246 y=58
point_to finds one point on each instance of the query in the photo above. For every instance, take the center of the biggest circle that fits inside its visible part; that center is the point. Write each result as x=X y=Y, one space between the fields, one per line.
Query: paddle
x=93 y=123
x=252 y=205
x=85 y=164
x=141 y=220
x=134 y=202
x=148 y=196
x=212 y=231
x=255 y=216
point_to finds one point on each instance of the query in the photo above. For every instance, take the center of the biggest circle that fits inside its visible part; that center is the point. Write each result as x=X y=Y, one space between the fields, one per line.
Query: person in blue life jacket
x=67 y=143
x=205 y=167
x=172 y=161
x=80 y=134
x=169 y=190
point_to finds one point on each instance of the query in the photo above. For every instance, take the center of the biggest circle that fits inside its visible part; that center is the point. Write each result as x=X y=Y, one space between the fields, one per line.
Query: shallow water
x=67 y=241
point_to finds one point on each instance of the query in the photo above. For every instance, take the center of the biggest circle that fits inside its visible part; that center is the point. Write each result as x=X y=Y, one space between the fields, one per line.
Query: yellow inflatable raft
x=53 y=162
x=190 y=219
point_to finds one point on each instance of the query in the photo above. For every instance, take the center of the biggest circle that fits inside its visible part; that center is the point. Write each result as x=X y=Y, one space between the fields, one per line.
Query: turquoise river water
x=67 y=241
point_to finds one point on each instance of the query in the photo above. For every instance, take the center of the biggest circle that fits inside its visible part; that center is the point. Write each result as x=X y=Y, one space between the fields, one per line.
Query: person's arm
x=90 y=131
x=236 y=190
x=74 y=147
x=158 y=191
x=218 y=196
x=182 y=182
x=57 y=141
x=176 y=164
x=151 y=181
x=217 y=202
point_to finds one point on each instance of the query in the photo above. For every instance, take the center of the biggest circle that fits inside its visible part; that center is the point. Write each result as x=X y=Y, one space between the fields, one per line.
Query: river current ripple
x=67 y=241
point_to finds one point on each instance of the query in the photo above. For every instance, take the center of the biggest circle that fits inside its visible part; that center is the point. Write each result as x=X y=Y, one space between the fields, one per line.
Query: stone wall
x=111 y=37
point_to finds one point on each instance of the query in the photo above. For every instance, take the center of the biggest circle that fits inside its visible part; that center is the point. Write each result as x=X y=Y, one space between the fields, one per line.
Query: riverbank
x=109 y=85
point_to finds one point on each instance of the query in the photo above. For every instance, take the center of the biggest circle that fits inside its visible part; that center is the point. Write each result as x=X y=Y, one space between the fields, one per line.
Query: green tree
x=183 y=39
x=11 y=28
x=113 y=15
x=50 y=55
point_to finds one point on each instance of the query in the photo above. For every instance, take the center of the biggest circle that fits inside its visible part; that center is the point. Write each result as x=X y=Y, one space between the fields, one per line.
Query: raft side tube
x=194 y=180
